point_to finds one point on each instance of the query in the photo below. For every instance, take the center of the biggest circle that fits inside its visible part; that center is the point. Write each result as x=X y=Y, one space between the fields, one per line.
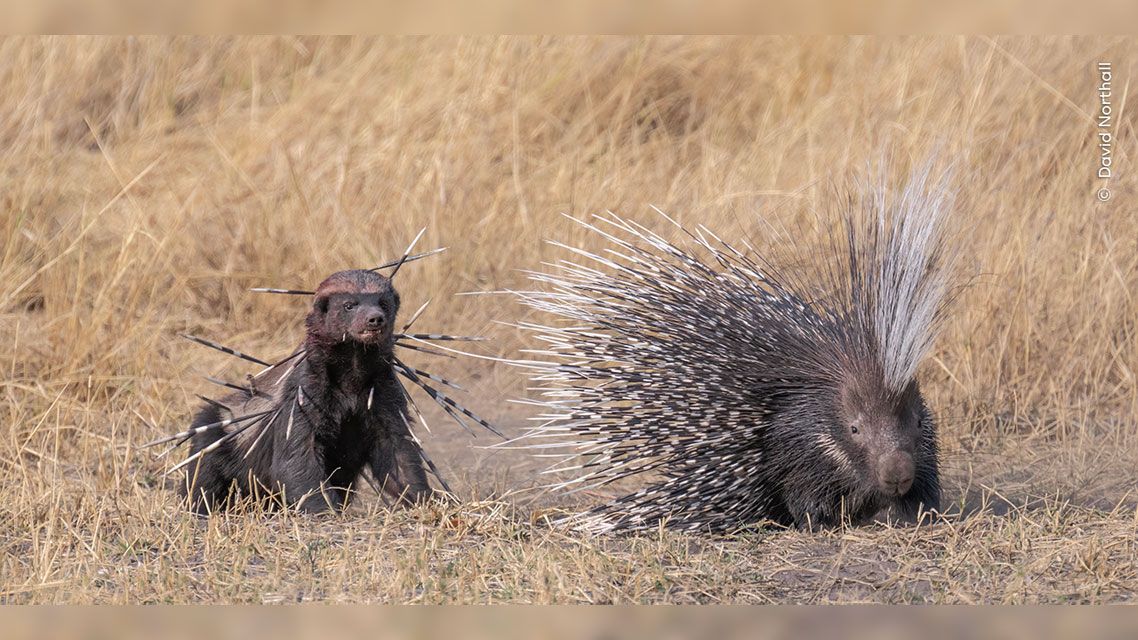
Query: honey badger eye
x=349 y=305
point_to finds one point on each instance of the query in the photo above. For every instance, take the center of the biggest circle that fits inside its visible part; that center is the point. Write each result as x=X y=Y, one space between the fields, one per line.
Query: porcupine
x=754 y=393
x=304 y=429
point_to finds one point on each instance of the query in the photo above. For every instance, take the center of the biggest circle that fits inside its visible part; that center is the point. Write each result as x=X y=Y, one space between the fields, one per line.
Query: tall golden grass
x=147 y=183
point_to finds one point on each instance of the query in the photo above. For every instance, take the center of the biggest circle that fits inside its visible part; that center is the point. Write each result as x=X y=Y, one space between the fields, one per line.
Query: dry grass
x=146 y=184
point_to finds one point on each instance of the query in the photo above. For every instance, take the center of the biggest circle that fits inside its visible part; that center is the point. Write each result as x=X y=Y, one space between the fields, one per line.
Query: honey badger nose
x=895 y=473
x=375 y=320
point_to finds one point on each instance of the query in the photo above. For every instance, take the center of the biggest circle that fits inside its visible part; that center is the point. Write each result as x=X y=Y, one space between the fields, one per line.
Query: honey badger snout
x=370 y=323
x=895 y=472
x=375 y=320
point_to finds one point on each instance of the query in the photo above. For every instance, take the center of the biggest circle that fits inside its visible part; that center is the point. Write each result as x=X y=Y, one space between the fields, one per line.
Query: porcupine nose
x=895 y=472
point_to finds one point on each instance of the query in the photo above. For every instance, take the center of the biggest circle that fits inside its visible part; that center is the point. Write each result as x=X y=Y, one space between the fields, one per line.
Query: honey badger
x=334 y=410
x=305 y=429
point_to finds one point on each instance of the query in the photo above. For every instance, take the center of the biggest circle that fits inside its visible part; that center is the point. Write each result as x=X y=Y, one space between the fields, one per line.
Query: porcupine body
x=749 y=393
x=304 y=430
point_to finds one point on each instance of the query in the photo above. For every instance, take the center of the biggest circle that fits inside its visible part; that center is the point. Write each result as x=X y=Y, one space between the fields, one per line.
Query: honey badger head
x=357 y=306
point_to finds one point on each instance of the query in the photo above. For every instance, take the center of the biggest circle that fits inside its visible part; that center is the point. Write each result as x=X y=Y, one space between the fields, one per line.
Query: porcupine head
x=884 y=440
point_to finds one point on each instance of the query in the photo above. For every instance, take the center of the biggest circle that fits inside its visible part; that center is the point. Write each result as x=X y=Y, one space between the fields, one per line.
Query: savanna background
x=147 y=183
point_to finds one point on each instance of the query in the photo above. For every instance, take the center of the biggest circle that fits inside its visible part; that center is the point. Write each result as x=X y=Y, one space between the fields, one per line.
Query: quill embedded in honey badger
x=304 y=429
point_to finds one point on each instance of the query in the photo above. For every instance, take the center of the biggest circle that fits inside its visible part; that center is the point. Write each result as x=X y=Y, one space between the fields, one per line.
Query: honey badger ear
x=321 y=305
x=394 y=301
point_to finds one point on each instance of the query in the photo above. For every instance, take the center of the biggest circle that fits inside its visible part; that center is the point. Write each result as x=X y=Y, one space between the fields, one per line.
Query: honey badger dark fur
x=337 y=409
x=304 y=430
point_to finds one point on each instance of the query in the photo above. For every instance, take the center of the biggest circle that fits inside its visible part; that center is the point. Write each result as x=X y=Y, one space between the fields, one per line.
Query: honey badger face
x=359 y=306
x=881 y=433
x=363 y=317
